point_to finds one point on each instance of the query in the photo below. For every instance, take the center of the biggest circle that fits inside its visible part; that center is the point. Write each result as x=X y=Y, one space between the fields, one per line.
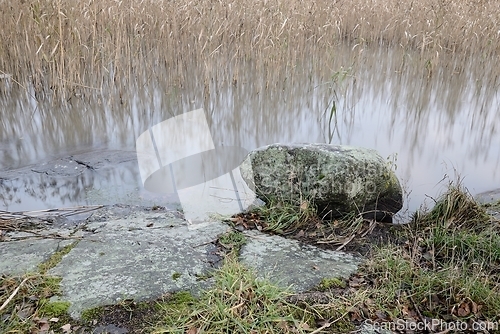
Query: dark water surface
x=429 y=121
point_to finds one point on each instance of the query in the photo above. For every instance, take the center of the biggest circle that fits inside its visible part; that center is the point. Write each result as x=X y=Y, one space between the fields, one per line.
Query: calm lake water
x=430 y=121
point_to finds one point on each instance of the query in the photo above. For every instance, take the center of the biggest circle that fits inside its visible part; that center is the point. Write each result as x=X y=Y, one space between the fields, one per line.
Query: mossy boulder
x=339 y=180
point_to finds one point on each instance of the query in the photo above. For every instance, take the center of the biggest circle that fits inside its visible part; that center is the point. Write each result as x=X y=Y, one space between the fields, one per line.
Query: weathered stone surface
x=23 y=256
x=126 y=252
x=140 y=256
x=491 y=201
x=294 y=265
x=338 y=179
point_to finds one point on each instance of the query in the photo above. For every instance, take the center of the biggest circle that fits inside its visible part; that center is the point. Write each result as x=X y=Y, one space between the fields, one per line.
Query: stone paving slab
x=132 y=253
x=492 y=196
x=139 y=257
x=23 y=256
x=294 y=265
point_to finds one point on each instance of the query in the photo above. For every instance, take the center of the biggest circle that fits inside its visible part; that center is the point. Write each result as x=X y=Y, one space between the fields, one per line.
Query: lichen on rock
x=339 y=180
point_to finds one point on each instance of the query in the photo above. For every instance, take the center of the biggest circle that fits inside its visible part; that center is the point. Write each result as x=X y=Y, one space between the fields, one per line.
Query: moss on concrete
x=331 y=283
x=55 y=258
x=54 y=309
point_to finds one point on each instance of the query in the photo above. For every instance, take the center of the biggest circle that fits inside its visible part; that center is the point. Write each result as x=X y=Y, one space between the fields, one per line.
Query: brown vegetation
x=65 y=46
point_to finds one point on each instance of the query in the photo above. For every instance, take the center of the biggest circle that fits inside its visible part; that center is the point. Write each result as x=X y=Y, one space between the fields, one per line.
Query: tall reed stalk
x=62 y=47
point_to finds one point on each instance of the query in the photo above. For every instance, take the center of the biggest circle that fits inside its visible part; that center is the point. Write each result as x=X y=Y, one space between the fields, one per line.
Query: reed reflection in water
x=433 y=118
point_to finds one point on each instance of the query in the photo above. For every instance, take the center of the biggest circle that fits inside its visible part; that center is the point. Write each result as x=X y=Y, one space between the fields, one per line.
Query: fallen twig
x=326 y=325
x=38 y=236
x=370 y=228
x=13 y=294
x=65 y=212
x=345 y=243
x=205 y=243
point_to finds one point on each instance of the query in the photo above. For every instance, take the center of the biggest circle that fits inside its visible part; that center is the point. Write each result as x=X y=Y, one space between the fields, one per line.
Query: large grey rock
x=337 y=179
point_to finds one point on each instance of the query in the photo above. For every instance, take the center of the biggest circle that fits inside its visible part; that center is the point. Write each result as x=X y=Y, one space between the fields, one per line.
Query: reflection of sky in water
x=434 y=142
x=433 y=125
x=439 y=149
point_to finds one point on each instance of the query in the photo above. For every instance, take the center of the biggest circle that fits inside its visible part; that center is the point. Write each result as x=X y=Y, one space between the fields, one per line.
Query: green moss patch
x=54 y=309
x=331 y=283
x=55 y=258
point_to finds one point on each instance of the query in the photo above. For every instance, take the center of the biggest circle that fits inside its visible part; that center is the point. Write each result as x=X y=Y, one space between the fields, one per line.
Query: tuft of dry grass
x=26 y=306
x=239 y=303
x=448 y=265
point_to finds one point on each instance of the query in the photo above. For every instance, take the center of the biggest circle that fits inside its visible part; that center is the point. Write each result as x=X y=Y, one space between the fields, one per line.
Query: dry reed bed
x=61 y=46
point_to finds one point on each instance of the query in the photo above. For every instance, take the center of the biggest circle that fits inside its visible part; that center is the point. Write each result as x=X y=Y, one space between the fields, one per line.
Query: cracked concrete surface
x=292 y=264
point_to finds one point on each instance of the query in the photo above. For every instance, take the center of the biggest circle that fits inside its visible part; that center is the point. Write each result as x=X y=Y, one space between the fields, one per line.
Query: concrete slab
x=492 y=196
x=141 y=256
x=20 y=257
x=292 y=264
